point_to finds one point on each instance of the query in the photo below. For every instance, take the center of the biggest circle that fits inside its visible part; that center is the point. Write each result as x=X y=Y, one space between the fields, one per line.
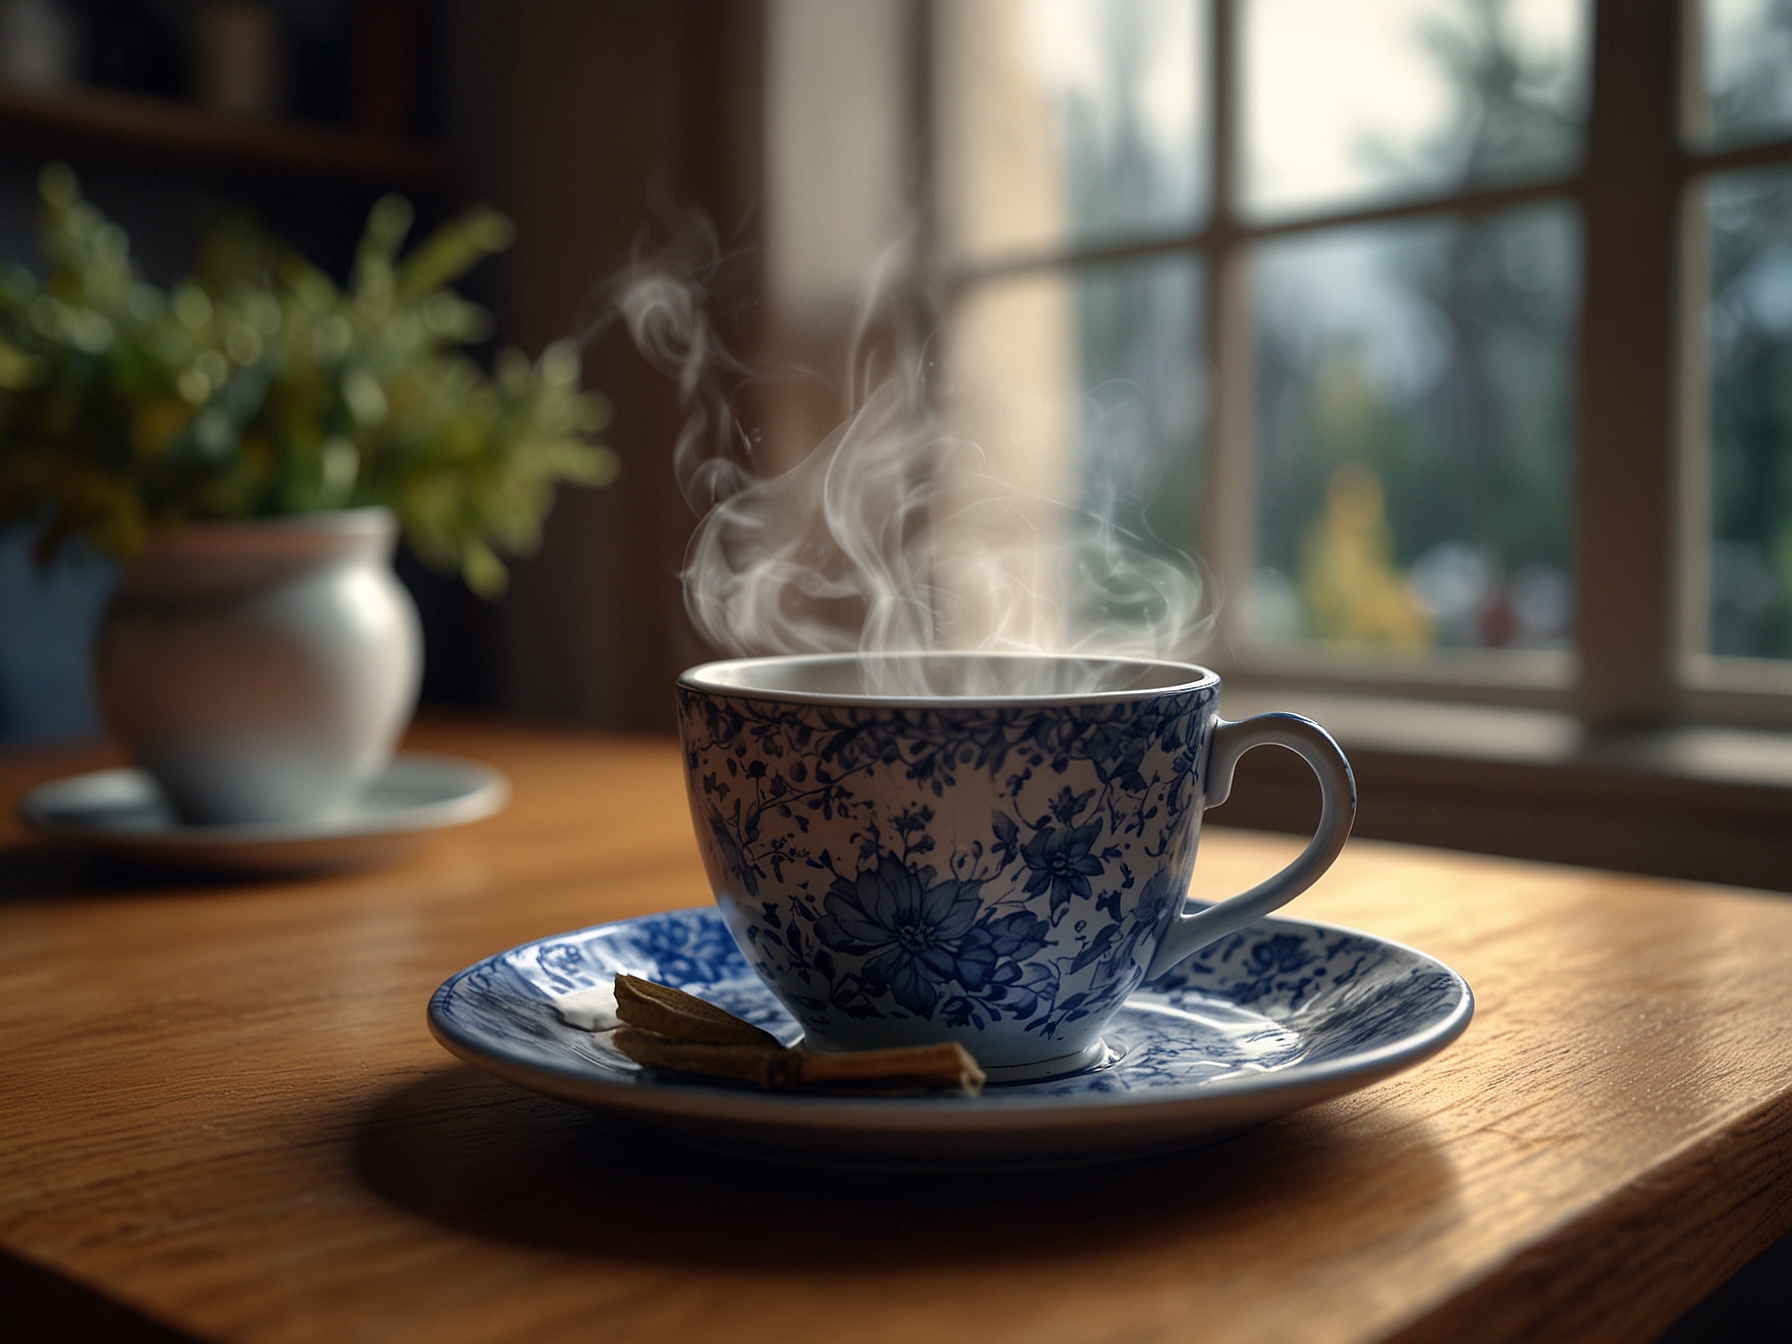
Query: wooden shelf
x=123 y=127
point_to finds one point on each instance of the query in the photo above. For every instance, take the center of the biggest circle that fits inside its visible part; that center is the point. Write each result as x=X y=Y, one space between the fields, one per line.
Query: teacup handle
x=1188 y=934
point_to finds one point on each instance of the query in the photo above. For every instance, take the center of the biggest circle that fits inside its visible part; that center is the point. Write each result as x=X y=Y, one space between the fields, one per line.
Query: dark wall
x=592 y=123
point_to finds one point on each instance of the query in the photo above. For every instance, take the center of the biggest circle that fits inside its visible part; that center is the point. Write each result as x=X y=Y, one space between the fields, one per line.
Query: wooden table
x=222 y=1116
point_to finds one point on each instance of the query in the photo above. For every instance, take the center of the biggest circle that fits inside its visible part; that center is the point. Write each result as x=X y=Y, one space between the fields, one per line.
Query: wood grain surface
x=222 y=1111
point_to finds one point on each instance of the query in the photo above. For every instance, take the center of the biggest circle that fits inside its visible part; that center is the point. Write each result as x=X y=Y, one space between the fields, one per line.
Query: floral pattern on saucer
x=1283 y=1003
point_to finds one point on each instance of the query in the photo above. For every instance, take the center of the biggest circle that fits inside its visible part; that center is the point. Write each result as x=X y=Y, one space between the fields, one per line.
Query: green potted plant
x=249 y=445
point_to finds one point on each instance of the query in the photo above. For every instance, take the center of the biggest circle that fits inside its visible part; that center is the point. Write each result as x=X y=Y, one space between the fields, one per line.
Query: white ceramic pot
x=262 y=671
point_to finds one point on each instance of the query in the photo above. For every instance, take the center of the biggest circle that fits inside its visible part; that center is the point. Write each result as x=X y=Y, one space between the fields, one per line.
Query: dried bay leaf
x=666 y=1028
x=684 y=1017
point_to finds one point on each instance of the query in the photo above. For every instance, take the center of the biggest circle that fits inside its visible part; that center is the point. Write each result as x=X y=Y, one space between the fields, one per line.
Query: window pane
x=1747 y=70
x=1750 y=361
x=1413 y=433
x=1350 y=103
x=1068 y=121
x=1083 y=387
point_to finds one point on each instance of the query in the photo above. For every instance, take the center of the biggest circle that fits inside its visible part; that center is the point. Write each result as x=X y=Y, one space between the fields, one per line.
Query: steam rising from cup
x=890 y=538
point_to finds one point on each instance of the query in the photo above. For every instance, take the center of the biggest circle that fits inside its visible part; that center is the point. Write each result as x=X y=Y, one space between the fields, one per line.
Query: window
x=1371 y=215
x=1454 y=334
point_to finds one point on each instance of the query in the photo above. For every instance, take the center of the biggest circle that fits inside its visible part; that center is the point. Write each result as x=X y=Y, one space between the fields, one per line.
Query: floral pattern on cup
x=841 y=846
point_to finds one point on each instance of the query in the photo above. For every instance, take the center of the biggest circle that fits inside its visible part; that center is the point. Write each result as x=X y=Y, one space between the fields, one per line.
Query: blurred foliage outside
x=1749 y=354
x=1748 y=71
x=1462 y=422
x=1415 y=460
x=1749 y=338
x=257 y=388
x=1352 y=591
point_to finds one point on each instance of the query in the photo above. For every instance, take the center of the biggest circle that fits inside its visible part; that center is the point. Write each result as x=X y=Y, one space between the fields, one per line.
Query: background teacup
x=1000 y=867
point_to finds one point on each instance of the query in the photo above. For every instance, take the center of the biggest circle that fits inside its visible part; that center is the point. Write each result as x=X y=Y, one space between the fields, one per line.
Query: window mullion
x=1623 y=506
x=1228 y=503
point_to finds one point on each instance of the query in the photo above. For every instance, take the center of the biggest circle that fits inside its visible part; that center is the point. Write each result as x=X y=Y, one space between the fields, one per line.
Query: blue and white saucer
x=1278 y=1017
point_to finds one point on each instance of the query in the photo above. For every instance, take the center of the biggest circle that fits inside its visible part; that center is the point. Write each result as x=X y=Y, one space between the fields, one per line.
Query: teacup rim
x=703 y=678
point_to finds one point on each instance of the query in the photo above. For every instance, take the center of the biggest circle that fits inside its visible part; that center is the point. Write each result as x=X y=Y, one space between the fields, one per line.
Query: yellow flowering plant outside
x=259 y=388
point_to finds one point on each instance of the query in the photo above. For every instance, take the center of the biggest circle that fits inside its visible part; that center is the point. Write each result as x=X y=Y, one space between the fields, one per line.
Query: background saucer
x=124 y=812
x=1266 y=1021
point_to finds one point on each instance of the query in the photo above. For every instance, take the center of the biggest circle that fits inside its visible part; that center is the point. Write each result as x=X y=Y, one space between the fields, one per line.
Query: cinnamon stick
x=947 y=1065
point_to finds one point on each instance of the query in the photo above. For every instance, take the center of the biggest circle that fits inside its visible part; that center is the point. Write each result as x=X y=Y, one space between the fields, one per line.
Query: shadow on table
x=479 y=1155
x=38 y=870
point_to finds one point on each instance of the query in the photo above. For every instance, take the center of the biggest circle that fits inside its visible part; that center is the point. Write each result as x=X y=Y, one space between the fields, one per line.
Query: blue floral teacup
x=1001 y=866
